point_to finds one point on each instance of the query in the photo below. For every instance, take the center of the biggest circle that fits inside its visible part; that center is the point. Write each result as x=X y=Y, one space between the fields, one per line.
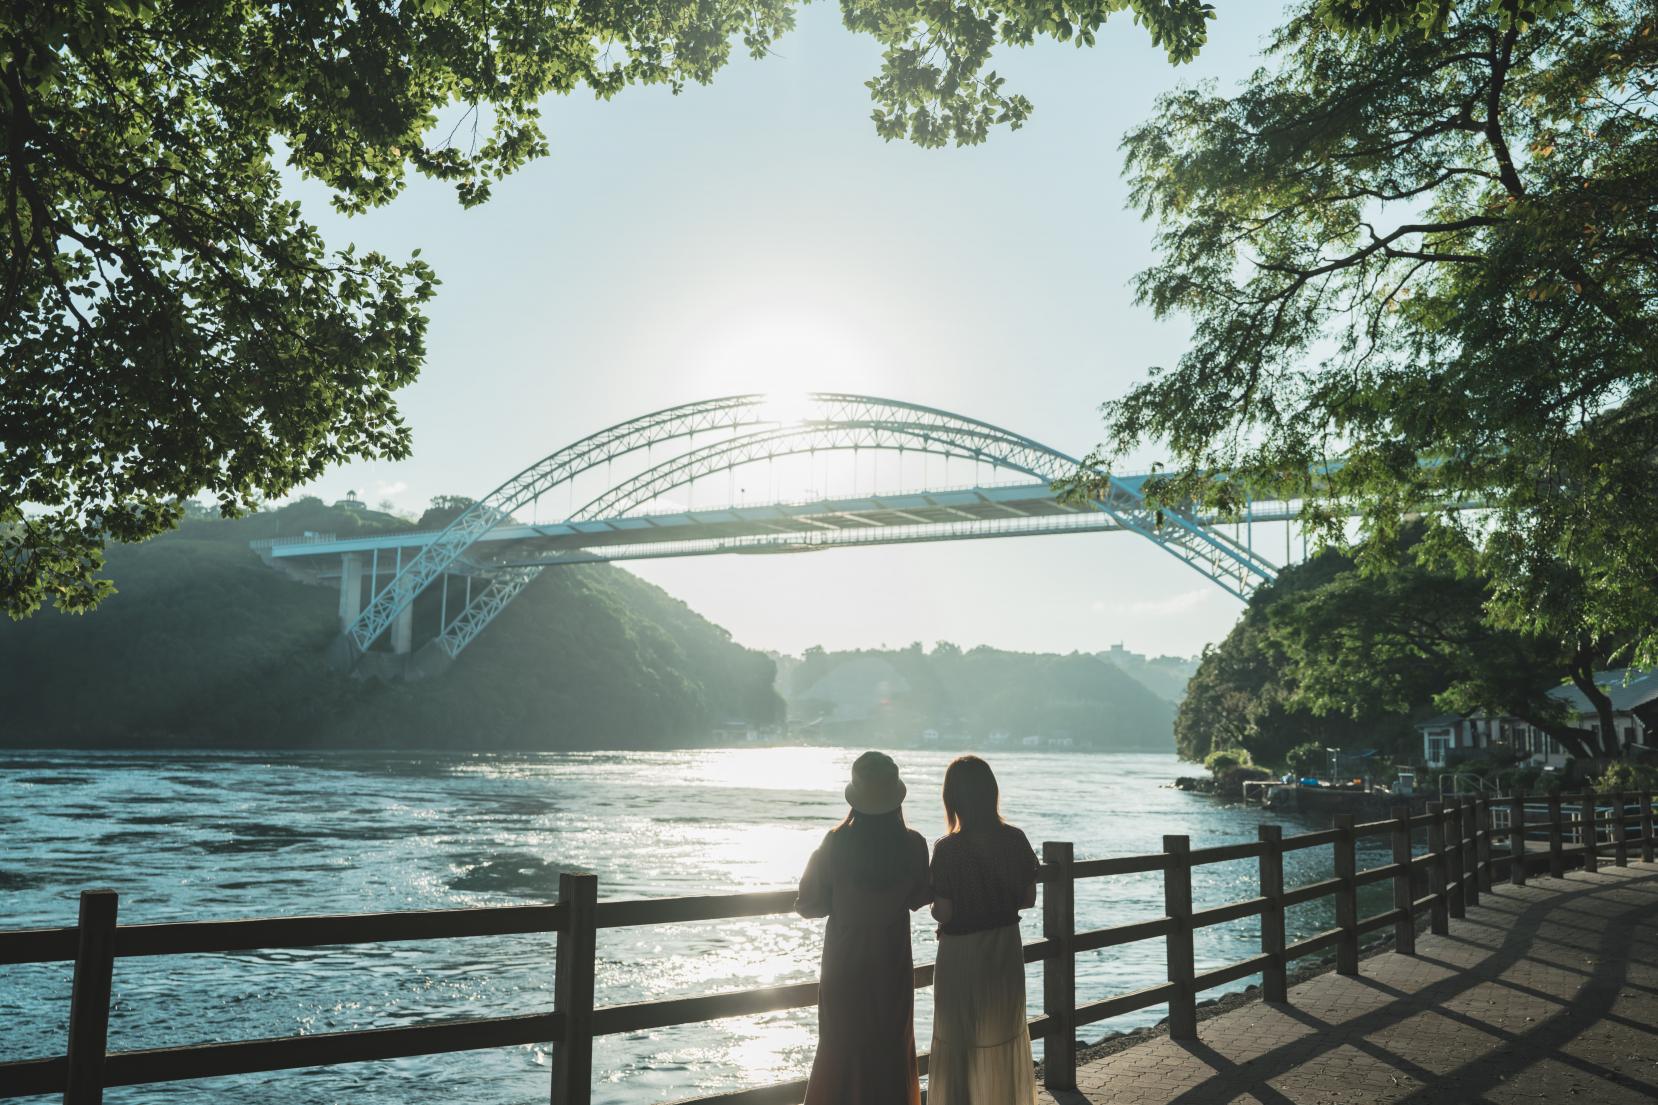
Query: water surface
x=193 y=836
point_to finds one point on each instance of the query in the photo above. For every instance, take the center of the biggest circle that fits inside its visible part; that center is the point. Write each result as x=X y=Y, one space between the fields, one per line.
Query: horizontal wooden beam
x=1325 y=939
x=173 y=1064
x=1120 y=865
x=37 y=945
x=197 y=937
x=1232 y=911
x=1122 y=934
x=712 y=907
x=644 y=1015
x=1220 y=976
x=1377 y=874
x=1311 y=892
x=1251 y=849
x=1126 y=1003
x=1311 y=840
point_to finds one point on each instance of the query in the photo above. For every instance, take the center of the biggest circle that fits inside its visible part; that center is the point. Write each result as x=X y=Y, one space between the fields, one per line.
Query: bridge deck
x=1547 y=992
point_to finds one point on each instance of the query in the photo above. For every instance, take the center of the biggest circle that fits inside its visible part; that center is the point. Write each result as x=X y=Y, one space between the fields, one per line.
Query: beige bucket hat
x=875 y=787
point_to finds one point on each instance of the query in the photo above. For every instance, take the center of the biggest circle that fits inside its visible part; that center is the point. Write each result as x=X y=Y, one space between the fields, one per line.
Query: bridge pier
x=402 y=630
x=351 y=588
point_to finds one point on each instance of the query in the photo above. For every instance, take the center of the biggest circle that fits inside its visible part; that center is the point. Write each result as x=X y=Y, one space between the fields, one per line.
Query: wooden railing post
x=1404 y=929
x=1620 y=829
x=1557 y=847
x=1517 y=838
x=1275 y=976
x=1468 y=822
x=1439 y=875
x=1177 y=903
x=576 y=963
x=89 y=998
x=1059 y=968
x=1591 y=856
x=1646 y=826
x=1453 y=858
x=1347 y=896
x=1482 y=842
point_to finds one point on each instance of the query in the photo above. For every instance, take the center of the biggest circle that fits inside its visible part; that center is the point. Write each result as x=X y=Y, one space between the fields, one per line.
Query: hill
x=895 y=694
x=204 y=645
x=1164 y=676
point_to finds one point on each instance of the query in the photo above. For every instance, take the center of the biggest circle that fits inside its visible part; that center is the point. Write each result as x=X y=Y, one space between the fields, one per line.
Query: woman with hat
x=867 y=876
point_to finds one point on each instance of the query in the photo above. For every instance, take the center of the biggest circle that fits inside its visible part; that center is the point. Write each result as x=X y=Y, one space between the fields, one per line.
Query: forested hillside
x=897 y=693
x=205 y=645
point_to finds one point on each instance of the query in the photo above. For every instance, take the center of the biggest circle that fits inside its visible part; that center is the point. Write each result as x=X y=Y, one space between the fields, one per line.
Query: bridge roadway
x=1006 y=510
x=1546 y=992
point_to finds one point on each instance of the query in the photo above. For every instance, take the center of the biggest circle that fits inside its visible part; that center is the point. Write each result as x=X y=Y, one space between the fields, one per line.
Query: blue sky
x=755 y=235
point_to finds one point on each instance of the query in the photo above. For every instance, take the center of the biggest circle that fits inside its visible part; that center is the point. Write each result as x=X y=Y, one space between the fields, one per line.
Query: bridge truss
x=489 y=543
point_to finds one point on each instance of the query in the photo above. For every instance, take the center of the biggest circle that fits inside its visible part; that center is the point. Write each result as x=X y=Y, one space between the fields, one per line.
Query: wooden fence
x=1458 y=866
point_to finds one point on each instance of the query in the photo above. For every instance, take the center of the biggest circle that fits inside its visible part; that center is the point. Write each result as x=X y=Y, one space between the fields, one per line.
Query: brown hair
x=971 y=797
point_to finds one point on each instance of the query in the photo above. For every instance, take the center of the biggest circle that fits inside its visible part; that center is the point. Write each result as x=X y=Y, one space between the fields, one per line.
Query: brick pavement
x=1547 y=992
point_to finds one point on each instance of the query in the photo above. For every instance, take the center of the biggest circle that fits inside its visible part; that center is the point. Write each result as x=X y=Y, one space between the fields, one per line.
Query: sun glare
x=788 y=408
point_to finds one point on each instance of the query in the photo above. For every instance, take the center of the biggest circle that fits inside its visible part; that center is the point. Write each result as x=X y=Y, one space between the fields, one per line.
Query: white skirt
x=981 y=1043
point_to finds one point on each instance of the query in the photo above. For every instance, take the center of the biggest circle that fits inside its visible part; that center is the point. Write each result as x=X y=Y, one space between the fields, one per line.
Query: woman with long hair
x=984 y=873
x=867 y=876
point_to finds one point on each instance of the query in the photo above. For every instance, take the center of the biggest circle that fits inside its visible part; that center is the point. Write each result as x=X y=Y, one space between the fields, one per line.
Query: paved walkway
x=1547 y=992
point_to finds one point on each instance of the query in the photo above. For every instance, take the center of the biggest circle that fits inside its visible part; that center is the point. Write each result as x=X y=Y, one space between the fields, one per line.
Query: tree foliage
x=1418 y=252
x=1346 y=650
x=1406 y=628
x=169 y=323
x=1246 y=693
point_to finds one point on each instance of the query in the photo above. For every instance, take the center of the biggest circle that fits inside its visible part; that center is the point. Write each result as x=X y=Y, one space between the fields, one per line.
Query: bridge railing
x=1459 y=863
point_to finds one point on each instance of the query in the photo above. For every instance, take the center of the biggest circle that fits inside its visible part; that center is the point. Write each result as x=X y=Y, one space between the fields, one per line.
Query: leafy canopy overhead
x=1419 y=251
x=169 y=324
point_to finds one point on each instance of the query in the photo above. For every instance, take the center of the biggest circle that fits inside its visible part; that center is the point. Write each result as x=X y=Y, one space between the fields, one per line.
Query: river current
x=194 y=836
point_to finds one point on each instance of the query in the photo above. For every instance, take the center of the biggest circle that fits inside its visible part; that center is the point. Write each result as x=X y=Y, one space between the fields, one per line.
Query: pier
x=1403 y=1026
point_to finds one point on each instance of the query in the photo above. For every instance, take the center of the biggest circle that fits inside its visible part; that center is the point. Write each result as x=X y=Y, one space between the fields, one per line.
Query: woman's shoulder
x=1015 y=837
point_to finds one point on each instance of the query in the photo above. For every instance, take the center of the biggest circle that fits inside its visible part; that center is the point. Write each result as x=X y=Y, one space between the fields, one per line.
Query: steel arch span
x=489 y=543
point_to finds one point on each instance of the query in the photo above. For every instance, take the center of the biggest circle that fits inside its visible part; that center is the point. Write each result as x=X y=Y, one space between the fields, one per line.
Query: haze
x=756 y=235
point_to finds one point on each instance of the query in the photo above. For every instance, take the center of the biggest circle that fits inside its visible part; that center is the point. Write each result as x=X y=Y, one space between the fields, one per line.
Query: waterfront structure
x=1471 y=844
x=1634 y=696
x=466 y=573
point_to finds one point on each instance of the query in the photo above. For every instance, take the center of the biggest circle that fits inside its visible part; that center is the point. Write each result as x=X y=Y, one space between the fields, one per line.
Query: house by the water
x=1634 y=696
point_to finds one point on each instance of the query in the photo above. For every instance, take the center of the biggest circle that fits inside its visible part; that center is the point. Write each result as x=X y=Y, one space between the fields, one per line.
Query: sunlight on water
x=197 y=836
x=815 y=769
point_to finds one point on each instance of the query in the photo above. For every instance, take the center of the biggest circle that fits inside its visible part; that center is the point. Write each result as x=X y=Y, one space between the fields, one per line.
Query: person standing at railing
x=867 y=876
x=984 y=873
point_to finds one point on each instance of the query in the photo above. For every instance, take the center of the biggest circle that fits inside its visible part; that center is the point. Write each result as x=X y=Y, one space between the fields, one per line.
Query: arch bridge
x=476 y=565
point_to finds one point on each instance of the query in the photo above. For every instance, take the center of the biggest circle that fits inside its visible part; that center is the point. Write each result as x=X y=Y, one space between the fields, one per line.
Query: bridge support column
x=351 y=588
x=402 y=631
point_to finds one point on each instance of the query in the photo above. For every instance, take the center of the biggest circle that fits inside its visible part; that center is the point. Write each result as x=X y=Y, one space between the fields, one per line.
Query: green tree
x=170 y=325
x=1307 y=760
x=1245 y=693
x=1406 y=627
x=1418 y=250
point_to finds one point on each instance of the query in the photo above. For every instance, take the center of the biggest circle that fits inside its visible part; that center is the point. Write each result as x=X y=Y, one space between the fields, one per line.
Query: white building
x=1448 y=733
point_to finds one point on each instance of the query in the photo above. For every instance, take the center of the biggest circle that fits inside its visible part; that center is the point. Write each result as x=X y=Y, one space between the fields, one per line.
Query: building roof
x=1626 y=687
x=1439 y=721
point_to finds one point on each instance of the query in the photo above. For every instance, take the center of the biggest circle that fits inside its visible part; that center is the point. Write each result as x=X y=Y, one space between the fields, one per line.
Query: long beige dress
x=866 y=996
x=981 y=1051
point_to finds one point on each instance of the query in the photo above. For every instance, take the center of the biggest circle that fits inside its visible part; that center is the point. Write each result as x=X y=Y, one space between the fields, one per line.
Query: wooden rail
x=1459 y=864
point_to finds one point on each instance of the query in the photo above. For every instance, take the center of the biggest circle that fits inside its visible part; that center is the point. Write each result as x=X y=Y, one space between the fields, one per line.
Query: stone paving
x=1546 y=992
